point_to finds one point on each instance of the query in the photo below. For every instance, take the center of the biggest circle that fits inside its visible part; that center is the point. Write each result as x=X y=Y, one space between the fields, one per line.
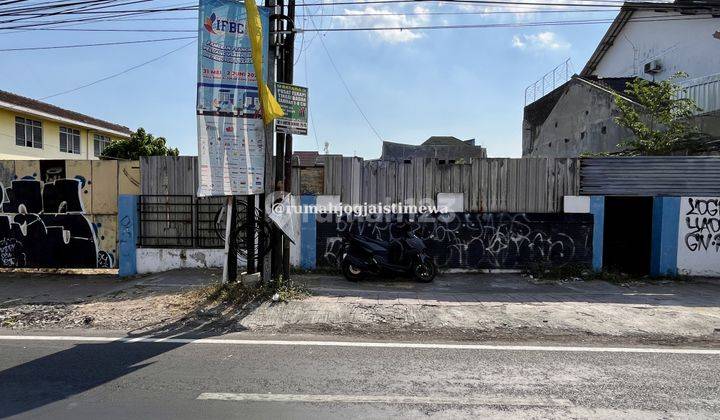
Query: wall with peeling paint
x=156 y=260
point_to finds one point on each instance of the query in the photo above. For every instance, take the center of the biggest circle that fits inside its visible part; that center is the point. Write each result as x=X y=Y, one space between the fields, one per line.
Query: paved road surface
x=69 y=378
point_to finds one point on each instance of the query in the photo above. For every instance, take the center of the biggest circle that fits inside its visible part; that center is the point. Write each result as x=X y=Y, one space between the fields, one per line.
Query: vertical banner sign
x=231 y=138
x=294 y=102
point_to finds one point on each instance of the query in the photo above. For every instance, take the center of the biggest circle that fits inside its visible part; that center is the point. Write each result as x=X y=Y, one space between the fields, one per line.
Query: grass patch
x=552 y=272
x=581 y=272
x=238 y=293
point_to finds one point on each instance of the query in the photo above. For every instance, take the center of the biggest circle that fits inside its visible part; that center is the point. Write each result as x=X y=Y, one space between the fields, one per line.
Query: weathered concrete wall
x=582 y=120
x=698 y=242
x=62 y=213
x=156 y=260
x=709 y=123
x=311 y=180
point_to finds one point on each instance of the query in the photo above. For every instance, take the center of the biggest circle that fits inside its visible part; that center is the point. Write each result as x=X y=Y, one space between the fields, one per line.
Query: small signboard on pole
x=294 y=102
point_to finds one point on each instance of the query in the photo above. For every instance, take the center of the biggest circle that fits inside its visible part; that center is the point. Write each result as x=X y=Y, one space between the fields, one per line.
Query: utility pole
x=289 y=58
x=265 y=266
x=277 y=236
x=283 y=142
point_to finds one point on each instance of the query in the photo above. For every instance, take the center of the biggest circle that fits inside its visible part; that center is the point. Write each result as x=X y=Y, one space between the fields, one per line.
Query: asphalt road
x=47 y=378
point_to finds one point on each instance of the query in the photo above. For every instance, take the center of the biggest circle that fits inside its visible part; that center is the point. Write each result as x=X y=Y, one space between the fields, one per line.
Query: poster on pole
x=231 y=136
x=294 y=102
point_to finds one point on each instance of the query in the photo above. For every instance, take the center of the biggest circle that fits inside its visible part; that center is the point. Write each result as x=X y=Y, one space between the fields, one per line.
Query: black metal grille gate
x=183 y=221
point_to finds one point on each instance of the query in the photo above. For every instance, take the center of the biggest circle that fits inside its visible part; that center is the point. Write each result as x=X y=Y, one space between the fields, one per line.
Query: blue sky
x=466 y=83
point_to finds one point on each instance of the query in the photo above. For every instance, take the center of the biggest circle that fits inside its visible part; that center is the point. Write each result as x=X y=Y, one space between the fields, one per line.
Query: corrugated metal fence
x=651 y=176
x=488 y=185
x=171 y=214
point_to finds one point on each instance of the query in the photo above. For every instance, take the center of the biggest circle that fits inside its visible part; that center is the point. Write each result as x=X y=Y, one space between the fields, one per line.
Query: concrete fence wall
x=474 y=241
x=685 y=233
x=62 y=213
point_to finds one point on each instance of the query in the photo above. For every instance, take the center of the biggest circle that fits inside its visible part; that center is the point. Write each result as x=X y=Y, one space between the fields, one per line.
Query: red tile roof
x=46 y=108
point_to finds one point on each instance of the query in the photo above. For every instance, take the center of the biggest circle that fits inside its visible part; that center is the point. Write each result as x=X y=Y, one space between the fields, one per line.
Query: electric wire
x=120 y=73
x=347 y=88
x=524 y=24
x=100 y=44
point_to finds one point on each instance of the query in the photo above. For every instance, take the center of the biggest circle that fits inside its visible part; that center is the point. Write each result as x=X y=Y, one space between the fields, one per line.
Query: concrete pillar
x=128 y=228
x=597 y=209
x=308 y=234
x=663 y=257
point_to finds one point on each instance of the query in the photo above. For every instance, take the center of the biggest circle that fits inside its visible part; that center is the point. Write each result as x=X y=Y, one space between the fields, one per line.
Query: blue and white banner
x=231 y=137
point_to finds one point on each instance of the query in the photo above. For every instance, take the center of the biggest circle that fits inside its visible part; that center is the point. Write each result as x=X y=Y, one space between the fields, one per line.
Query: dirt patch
x=138 y=307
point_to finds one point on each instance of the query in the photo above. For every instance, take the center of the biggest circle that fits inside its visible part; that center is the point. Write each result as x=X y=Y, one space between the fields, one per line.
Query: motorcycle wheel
x=424 y=272
x=350 y=272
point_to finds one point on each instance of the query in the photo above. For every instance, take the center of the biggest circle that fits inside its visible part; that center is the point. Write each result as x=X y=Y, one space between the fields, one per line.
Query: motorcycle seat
x=380 y=242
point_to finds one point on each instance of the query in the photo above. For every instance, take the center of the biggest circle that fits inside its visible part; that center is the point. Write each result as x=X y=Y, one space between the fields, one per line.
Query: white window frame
x=70 y=140
x=32 y=133
x=100 y=142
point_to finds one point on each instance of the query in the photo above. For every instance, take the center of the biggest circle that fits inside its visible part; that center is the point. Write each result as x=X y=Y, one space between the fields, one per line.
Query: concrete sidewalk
x=473 y=289
x=499 y=306
x=478 y=307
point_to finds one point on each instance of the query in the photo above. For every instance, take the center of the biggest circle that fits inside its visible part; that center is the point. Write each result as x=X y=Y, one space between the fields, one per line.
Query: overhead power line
x=354 y=29
x=85 y=6
x=120 y=73
x=489 y=12
x=101 y=44
x=345 y=85
x=494 y=25
x=594 y=3
x=26 y=24
x=614 y=4
x=110 y=30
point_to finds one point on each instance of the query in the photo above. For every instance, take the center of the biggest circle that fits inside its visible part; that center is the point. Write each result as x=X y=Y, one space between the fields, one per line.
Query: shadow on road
x=85 y=366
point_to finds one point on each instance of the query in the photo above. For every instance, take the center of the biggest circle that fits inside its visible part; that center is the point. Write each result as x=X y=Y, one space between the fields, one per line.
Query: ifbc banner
x=231 y=138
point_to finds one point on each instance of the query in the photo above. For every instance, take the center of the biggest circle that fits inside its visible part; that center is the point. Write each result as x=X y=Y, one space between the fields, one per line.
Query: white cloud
x=383 y=19
x=540 y=41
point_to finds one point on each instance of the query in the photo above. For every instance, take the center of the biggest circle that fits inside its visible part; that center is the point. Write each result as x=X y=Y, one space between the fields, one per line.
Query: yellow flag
x=270 y=107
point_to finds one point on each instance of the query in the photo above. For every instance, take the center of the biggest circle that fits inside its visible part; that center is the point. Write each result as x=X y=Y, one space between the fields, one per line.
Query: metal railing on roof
x=549 y=82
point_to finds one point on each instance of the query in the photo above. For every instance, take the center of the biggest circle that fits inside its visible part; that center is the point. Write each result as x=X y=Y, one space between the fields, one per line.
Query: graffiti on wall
x=477 y=240
x=702 y=224
x=44 y=224
x=698 y=243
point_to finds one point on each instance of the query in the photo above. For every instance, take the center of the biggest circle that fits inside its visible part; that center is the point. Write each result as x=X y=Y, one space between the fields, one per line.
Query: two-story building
x=31 y=129
x=646 y=40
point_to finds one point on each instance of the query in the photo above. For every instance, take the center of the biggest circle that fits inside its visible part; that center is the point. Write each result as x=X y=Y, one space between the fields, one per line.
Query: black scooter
x=405 y=256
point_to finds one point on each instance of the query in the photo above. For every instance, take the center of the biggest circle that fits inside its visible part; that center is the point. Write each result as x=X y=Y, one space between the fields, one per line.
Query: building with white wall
x=646 y=40
x=655 y=41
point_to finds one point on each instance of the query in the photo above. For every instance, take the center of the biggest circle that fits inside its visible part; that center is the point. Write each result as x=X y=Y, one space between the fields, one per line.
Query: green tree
x=139 y=144
x=663 y=121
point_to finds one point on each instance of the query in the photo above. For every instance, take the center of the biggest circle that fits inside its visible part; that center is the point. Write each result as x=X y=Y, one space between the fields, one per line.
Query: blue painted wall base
x=663 y=257
x=308 y=235
x=597 y=209
x=128 y=227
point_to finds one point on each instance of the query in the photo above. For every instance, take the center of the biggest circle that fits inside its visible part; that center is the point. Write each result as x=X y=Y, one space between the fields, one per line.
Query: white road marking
x=400 y=345
x=388 y=399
